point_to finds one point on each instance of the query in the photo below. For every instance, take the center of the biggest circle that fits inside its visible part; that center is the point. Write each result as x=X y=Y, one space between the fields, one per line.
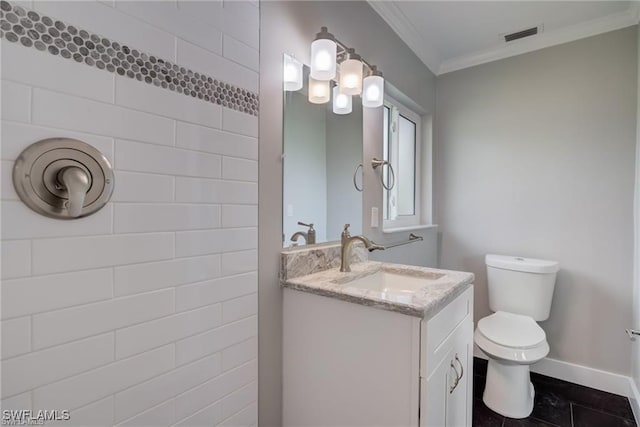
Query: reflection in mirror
x=322 y=154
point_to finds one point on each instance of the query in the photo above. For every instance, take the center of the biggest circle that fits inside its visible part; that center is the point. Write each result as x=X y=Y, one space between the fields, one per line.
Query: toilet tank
x=521 y=285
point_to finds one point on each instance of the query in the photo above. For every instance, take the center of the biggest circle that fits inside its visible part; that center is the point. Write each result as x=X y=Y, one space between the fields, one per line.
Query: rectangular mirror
x=322 y=158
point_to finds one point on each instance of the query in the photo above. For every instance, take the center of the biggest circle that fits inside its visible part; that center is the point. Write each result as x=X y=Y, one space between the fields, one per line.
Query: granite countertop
x=423 y=303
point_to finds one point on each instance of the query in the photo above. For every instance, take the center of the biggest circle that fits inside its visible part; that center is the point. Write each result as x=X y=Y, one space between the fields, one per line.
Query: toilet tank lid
x=528 y=265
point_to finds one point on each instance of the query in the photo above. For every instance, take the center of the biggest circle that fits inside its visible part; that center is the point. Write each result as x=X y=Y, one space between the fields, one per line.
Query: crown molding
x=634 y=10
x=548 y=38
x=403 y=27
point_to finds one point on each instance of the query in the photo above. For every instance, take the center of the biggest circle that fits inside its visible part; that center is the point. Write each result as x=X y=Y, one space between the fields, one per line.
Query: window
x=403 y=148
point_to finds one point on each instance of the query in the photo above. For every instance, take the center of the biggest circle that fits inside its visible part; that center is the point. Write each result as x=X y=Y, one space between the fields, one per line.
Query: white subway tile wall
x=200 y=397
x=144 y=313
x=16 y=101
x=16 y=337
x=23 y=65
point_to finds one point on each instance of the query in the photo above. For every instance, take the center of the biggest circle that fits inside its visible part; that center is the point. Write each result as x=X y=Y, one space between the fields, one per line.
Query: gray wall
x=534 y=156
x=290 y=27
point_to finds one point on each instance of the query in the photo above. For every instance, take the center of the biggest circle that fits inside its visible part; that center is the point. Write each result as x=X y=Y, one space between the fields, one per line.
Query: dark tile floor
x=557 y=403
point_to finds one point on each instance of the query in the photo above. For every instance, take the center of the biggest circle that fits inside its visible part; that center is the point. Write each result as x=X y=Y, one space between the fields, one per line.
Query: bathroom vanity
x=384 y=345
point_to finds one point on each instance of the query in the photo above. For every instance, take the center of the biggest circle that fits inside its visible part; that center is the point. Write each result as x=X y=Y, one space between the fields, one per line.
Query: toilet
x=520 y=293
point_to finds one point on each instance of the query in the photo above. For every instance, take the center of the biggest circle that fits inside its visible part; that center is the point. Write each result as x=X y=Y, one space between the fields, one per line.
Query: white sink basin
x=388 y=282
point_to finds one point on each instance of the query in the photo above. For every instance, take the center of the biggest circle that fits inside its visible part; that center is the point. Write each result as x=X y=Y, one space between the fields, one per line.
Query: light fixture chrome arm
x=343 y=50
x=343 y=53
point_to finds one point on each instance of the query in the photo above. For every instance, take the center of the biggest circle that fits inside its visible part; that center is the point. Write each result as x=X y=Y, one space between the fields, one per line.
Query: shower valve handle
x=77 y=183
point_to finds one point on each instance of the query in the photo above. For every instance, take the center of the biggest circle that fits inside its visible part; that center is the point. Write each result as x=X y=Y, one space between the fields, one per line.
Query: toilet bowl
x=520 y=294
x=512 y=343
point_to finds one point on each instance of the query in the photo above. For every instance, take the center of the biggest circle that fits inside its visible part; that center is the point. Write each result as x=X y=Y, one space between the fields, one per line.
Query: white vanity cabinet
x=347 y=364
x=446 y=371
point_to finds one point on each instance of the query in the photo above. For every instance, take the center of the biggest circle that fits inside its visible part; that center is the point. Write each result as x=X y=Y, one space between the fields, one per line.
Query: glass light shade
x=319 y=91
x=351 y=77
x=342 y=103
x=323 y=59
x=292 y=74
x=373 y=91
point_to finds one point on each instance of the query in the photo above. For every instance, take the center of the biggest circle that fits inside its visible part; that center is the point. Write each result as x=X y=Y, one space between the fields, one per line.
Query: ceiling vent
x=521 y=34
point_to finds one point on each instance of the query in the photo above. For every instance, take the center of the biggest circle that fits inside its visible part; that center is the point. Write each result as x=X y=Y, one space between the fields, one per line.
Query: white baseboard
x=634 y=400
x=577 y=374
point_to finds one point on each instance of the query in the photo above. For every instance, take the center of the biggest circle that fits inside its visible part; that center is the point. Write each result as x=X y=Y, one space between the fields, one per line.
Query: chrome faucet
x=309 y=236
x=347 y=241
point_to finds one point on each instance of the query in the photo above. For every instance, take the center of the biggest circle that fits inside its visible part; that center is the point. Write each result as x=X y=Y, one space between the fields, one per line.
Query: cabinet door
x=458 y=399
x=435 y=393
x=446 y=394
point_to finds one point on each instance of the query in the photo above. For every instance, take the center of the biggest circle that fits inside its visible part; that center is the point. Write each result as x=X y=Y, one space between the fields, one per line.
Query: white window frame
x=418 y=218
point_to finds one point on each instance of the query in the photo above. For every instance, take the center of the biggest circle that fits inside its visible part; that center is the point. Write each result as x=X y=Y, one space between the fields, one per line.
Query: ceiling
x=451 y=35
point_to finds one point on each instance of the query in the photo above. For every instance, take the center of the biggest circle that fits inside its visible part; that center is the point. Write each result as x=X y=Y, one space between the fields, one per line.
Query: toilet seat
x=511 y=330
x=511 y=337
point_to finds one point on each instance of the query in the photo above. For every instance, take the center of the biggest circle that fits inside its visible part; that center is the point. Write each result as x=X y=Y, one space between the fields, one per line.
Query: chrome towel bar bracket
x=632 y=333
x=377 y=163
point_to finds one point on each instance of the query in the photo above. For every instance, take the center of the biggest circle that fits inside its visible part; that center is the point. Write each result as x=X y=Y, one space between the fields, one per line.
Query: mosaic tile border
x=32 y=30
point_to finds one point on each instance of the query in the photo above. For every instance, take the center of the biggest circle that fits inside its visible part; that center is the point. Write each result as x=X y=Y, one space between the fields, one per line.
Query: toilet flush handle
x=77 y=183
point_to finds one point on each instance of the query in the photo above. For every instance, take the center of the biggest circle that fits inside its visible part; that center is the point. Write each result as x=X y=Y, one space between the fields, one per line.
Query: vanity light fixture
x=292 y=74
x=323 y=55
x=327 y=53
x=342 y=103
x=351 y=73
x=373 y=89
x=319 y=91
